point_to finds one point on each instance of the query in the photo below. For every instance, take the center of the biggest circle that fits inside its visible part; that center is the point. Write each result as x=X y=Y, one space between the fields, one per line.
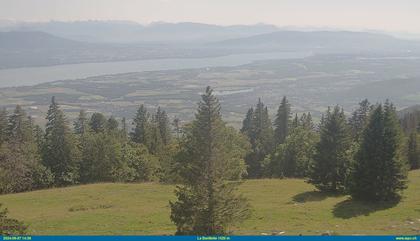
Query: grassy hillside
x=289 y=205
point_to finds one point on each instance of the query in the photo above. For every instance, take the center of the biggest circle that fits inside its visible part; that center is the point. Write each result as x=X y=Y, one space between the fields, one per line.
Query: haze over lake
x=37 y=75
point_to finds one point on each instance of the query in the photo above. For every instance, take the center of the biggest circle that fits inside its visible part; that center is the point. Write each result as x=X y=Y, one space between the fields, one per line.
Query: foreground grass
x=291 y=206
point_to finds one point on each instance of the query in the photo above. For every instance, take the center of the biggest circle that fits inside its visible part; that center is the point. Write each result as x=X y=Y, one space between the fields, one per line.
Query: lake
x=38 y=75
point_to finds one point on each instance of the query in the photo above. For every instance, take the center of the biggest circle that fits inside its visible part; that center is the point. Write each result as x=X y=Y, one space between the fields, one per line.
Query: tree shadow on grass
x=353 y=208
x=312 y=196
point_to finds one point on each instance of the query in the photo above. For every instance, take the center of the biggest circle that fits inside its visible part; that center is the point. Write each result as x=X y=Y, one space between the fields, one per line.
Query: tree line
x=367 y=155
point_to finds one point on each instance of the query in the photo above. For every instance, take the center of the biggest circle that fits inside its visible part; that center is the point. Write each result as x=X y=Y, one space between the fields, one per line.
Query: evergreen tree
x=82 y=131
x=20 y=165
x=97 y=122
x=124 y=128
x=359 y=118
x=39 y=135
x=112 y=124
x=155 y=142
x=20 y=127
x=306 y=121
x=379 y=172
x=60 y=153
x=410 y=121
x=206 y=203
x=248 y=124
x=413 y=151
x=261 y=136
x=3 y=125
x=162 y=122
x=332 y=158
x=177 y=127
x=418 y=126
x=141 y=124
x=295 y=122
x=282 y=121
x=81 y=123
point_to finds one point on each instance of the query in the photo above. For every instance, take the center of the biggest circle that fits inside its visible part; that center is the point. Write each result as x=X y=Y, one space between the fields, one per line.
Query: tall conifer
x=379 y=172
x=3 y=125
x=162 y=121
x=60 y=153
x=141 y=124
x=206 y=203
x=332 y=158
x=257 y=126
x=413 y=151
x=282 y=122
x=81 y=123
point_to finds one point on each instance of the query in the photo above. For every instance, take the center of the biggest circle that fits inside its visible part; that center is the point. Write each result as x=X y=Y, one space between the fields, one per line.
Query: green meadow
x=287 y=206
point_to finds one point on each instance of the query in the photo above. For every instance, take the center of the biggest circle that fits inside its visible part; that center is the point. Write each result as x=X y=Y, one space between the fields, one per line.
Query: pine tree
x=413 y=151
x=282 y=121
x=306 y=121
x=162 y=121
x=411 y=121
x=417 y=128
x=20 y=127
x=141 y=124
x=379 y=173
x=177 y=127
x=248 y=124
x=206 y=203
x=97 y=123
x=81 y=123
x=261 y=136
x=359 y=118
x=295 y=122
x=60 y=152
x=332 y=158
x=124 y=134
x=155 y=142
x=39 y=135
x=112 y=124
x=3 y=125
x=20 y=165
x=82 y=132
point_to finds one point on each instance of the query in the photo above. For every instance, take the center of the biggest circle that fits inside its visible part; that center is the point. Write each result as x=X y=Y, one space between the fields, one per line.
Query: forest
x=366 y=155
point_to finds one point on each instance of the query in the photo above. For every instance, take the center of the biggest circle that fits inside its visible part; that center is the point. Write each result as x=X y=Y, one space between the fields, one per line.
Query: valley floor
x=290 y=206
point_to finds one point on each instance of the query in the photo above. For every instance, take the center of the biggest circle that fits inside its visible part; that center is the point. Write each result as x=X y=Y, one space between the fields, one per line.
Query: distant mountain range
x=321 y=41
x=54 y=43
x=131 y=32
x=34 y=48
x=18 y=40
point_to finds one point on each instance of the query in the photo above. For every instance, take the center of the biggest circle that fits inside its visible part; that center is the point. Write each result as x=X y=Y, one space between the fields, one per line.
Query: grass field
x=291 y=206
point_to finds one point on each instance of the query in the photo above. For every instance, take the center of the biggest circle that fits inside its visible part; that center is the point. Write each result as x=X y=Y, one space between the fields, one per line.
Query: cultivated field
x=311 y=84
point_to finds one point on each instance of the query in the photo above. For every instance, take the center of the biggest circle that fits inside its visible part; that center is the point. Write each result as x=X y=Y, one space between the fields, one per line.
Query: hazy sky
x=391 y=15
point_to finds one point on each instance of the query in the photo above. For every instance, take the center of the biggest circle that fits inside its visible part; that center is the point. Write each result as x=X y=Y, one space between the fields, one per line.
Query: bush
x=144 y=166
x=10 y=226
x=42 y=177
x=21 y=171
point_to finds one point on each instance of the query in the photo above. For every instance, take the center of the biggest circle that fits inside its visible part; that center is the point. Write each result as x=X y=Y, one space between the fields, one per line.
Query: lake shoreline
x=18 y=77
